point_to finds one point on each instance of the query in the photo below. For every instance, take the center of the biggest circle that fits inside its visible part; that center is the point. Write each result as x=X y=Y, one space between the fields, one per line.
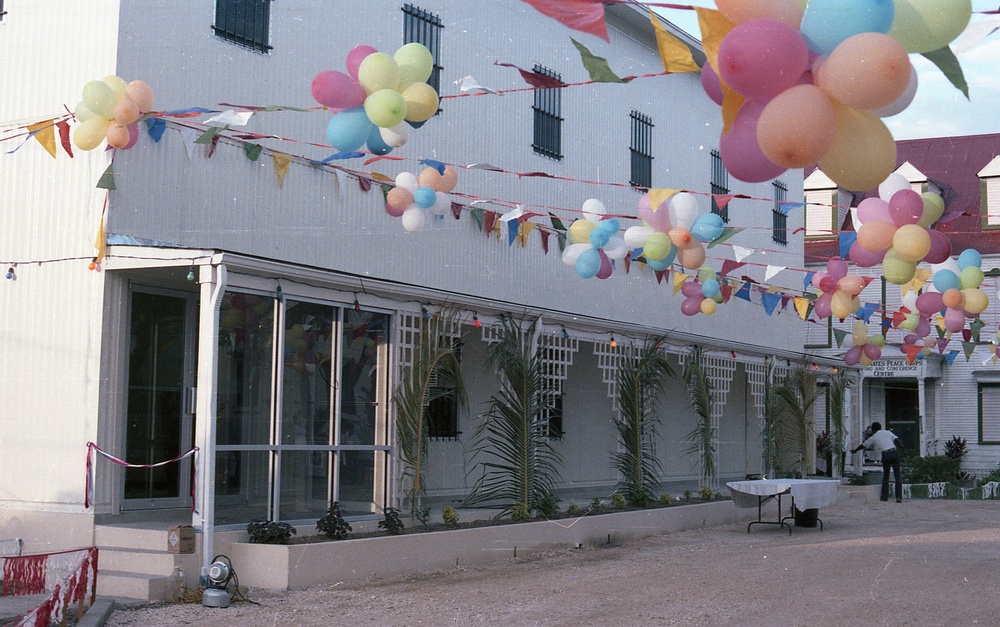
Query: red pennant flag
x=533 y=78
x=628 y=263
x=729 y=265
x=898 y=317
x=721 y=200
x=545 y=239
x=365 y=184
x=586 y=16
x=661 y=274
x=489 y=219
x=911 y=350
x=866 y=280
x=67 y=145
x=967 y=335
x=456 y=210
x=727 y=292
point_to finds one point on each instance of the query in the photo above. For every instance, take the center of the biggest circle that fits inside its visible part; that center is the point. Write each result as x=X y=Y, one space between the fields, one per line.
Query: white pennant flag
x=229 y=117
x=512 y=215
x=468 y=83
x=741 y=253
x=188 y=135
x=772 y=270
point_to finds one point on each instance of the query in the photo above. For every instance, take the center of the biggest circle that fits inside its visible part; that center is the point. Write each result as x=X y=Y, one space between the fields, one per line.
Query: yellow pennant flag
x=45 y=133
x=679 y=278
x=801 y=306
x=658 y=196
x=714 y=27
x=101 y=242
x=676 y=56
x=917 y=282
x=281 y=162
x=523 y=231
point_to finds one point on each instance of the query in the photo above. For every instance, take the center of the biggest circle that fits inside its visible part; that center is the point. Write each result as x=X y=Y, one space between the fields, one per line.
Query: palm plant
x=521 y=466
x=700 y=440
x=795 y=398
x=641 y=378
x=435 y=373
x=838 y=387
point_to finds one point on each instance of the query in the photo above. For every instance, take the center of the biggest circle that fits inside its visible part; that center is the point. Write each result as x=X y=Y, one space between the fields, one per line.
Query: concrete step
x=112 y=583
x=147 y=562
x=130 y=537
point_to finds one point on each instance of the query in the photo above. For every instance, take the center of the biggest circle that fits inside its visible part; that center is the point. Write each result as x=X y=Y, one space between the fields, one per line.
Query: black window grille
x=442 y=410
x=425 y=28
x=779 y=220
x=547 y=138
x=641 y=150
x=720 y=185
x=244 y=22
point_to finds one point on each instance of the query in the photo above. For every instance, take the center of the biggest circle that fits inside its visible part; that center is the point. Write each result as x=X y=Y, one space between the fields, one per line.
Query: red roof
x=952 y=164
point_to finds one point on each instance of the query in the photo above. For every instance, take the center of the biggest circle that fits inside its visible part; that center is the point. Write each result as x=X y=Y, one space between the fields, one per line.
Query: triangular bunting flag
x=252 y=151
x=512 y=228
x=911 y=350
x=679 y=278
x=660 y=195
x=866 y=310
x=942 y=343
x=772 y=271
x=839 y=335
x=489 y=219
x=770 y=302
x=156 y=128
x=727 y=292
x=45 y=133
x=802 y=307
x=209 y=135
x=281 y=161
x=108 y=178
x=784 y=206
x=744 y=292
x=64 y=139
x=950 y=358
x=524 y=231
x=728 y=265
x=976 y=326
x=101 y=242
x=968 y=348
x=846 y=239
x=721 y=200
x=726 y=234
x=675 y=54
x=807 y=281
x=545 y=244
x=586 y=16
x=741 y=253
x=597 y=67
x=456 y=211
x=188 y=135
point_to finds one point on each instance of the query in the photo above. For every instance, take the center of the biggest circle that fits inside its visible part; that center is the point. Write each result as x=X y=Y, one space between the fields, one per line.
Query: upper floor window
x=641 y=149
x=547 y=137
x=989 y=413
x=424 y=28
x=779 y=219
x=720 y=184
x=990 y=177
x=244 y=22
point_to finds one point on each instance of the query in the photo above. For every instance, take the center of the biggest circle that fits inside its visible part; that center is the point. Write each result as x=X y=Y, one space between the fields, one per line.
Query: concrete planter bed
x=293 y=566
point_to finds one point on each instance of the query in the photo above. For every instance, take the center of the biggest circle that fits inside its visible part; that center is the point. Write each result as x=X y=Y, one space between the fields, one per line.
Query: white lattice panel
x=608 y=359
x=557 y=356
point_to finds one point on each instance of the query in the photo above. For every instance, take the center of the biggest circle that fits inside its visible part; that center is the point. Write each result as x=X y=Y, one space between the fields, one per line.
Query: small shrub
x=270 y=532
x=993 y=476
x=573 y=509
x=618 y=501
x=333 y=525
x=931 y=469
x=392 y=523
x=520 y=511
x=856 y=480
x=596 y=504
x=549 y=506
x=423 y=514
x=450 y=516
x=955 y=447
x=823 y=444
x=666 y=499
x=687 y=495
x=705 y=493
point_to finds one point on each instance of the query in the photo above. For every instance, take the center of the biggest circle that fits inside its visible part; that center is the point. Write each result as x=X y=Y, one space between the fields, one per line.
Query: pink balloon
x=923 y=327
x=929 y=303
x=336 y=89
x=817 y=279
x=762 y=58
x=133 y=135
x=940 y=247
x=740 y=151
x=906 y=206
x=710 y=83
x=853 y=355
x=836 y=268
x=874 y=209
x=828 y=284
x=865 y=258
x=691 y=289
x=658 y=220
x=911 y=338
x=692 y=305
x=954 y=320
x=871 y=351
x=355 y=57
x=822 y=306
x=606 y=268
x=394 y=212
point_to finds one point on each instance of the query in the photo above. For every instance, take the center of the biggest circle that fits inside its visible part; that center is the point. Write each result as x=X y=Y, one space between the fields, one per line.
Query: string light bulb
x=357 y=305
x=614 y=344
x=10 y=274
x=565 y=333
x=92 y=265
x=475 y=320
x=190 y=274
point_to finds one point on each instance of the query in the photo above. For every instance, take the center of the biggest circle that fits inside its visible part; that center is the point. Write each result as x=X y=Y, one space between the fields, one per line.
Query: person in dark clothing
x=885 y=442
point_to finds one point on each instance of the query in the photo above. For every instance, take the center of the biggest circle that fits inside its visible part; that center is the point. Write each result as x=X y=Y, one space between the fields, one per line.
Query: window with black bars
x=425 y=28
x=547 y=138
x=720 y=184
x=641 y=149
x=244 y=22
x=779 y=220
x=442 y=410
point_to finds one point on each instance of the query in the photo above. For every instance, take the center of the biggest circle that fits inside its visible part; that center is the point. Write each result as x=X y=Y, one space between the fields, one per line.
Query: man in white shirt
x=885 y=442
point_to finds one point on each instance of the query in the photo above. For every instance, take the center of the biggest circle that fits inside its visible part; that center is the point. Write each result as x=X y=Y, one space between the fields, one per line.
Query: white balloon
x=635 y=236
x=616 y=248
x=408 y=181
x=683 y=210
x=442 y=205
x=573 y=252
x=909 y=300
x=395 y=136
x=900 y=104
x=892 y=184
x=950 y=264
x=593 y=210
x=414 y=219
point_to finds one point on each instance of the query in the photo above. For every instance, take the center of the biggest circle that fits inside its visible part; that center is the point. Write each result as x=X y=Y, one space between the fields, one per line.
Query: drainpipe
x=212 y=279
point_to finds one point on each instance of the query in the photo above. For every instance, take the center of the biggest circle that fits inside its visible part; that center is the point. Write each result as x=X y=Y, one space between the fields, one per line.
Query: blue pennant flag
x=865 y=311
x=156 y=128
x=512 y=227
x=344 y=154
x=784 y=206
x=846 y=239
x=770 y=301
x=437 y=165
x=806 y=282
x=950 y=357
x=744 y=292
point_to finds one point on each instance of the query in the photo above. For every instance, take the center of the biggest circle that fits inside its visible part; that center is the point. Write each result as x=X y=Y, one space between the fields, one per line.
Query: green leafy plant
x=993 y=476
x=705 y=493
x=520 y=464
x=548 y=507
x=794 y=400
x=449 y=516
x=837 y=389
x=333 y=525
x=573 y=509
x=391 y=523
x=687 y=495
x=823 y=443
x=930 y=469
x=270 y=532
x=700 y=440
x=519 y=511
x=641 y=378
x=666 y=499
x=618 y=501
x=434 y=374
x=596 y=504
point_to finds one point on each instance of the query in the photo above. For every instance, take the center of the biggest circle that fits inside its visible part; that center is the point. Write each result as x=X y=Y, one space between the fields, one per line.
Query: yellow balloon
x=99 y=98
x=421 y=102
x=911 y=242
x=708 y=306
x=840 y=305
x=117 y=85
x=974 y=300
x=415 y=63
x=579 y=231
x=863 y=153
x=385 y=108
x=91 y=133
x=897 y=270
x=928 y=25
x=378 y=71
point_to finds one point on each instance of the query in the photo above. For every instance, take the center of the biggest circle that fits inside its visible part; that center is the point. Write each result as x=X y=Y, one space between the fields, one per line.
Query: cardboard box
x=180 y=539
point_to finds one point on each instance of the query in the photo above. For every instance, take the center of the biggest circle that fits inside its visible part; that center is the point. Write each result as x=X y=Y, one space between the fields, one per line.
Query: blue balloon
x=377 y=145
x=970 y=258
x=610 y=225
x=665 y=263
x=588 y=264
x=826 y=23
x=599 y=237
x=710 y=288
x=349 y=129
x=424 y=197
x=945 y=280
x=708 y=227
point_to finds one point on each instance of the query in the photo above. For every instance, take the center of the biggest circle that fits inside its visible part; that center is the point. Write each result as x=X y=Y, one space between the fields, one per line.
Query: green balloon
x=385 y=108
x=897 y=270
x=970 y=277
x=415 y=63
x=929 y=25
x=99 y=98
x=378 y=71
x=657 y=246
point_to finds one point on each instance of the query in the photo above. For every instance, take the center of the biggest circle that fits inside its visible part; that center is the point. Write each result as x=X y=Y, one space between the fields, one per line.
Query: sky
x=939 y=109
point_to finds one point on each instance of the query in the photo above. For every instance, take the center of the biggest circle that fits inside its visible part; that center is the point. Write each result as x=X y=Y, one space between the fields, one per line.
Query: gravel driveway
x=915 y=563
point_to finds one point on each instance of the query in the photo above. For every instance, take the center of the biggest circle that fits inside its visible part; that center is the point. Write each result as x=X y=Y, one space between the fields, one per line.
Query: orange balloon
x=117 y=136
x=876 y=236
x=739 y=11
x=692 y=257
x=125 y=112
x=430 y=177
x=140 y=93
x=852 y=284
x=952 y=298
x=448 y=180
x=399 y=198
x=866 y=71
x=863 y=153
x=797 y=127
x=681 y=238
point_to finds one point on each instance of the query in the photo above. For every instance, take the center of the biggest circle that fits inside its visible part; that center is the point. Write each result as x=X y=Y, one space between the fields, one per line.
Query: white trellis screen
x=719 y=371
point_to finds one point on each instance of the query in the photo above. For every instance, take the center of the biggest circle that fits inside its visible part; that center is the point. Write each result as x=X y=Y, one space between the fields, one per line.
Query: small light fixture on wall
x=614 y=344
x=357 y=305
x=475 y=320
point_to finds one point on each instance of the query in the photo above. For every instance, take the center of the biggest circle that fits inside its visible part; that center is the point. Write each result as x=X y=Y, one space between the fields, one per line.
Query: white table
x=805 y=493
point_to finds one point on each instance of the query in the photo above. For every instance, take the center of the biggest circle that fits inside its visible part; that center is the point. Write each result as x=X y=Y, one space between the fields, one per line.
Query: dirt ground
x=915 y=563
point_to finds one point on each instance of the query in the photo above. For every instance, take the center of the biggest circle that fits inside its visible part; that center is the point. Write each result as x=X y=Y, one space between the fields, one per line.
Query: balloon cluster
x=703 y=295
x=594 y=242
x=676 y=228
x=897 y=234
x=960 y=294
x=110 y=110
x=840 y=290
x=375 y=97
x=414 y=196
x=863 y=348
x=816 y=78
